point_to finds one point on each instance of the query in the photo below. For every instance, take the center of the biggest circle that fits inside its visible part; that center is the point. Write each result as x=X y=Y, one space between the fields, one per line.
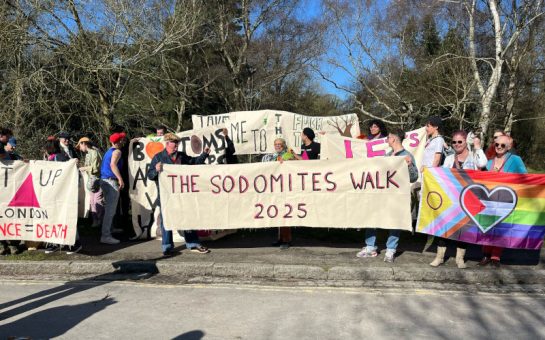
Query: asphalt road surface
x=134 y=310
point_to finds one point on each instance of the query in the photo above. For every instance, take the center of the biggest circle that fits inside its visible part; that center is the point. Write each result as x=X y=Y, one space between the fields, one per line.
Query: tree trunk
x=180 y=110
x=510 y=102
x=18 y=98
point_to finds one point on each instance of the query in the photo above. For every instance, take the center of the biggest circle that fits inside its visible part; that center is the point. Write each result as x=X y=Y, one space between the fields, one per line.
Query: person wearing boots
x=463 y=158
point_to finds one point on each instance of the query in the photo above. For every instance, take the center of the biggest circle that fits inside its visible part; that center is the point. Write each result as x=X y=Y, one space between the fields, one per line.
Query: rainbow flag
x=489 y=208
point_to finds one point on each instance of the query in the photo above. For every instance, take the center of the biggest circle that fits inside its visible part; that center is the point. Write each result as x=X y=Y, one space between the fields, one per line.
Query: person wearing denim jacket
x=171 y=155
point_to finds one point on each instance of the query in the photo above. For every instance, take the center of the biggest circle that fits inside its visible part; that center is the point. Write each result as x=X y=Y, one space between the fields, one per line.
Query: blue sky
x=312 y=9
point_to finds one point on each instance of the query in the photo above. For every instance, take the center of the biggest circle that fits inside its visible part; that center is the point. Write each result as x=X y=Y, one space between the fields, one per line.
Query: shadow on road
x=56 y=321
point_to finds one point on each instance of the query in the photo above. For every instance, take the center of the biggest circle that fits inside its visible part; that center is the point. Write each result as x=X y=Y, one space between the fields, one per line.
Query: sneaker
x=200 y=250
x=285 y=246
x=367 y=253
x=76 y=248
x=51 y=248
x=389 y=256
x=109 y=240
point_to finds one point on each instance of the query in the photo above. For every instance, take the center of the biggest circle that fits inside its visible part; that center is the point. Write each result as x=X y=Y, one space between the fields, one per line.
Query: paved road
x=135 y=310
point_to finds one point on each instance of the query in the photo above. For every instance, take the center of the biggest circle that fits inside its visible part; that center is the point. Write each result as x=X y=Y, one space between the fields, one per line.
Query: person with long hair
x=491 y=151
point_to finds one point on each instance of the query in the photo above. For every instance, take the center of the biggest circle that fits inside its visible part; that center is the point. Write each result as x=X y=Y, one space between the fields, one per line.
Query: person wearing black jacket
x=230 y=157
x=171 y=155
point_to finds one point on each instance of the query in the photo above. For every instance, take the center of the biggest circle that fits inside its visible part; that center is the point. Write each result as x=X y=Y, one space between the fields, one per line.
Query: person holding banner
x=503 y=161
x=171 y=155
x=395 y=140
x=310 y=149
x=111 y=183
x=230 y=157
x=282 y=153
x=462 y=158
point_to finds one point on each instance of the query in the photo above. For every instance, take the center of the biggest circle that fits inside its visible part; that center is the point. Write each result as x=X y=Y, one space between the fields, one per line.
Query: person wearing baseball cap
x=171 y=155
x=10 y=149
x=111 y=183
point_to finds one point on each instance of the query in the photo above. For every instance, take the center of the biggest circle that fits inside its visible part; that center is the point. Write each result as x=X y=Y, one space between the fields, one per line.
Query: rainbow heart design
x=487 y=208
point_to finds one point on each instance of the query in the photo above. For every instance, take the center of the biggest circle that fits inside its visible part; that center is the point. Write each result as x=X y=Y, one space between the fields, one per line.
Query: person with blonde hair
x=466 y=159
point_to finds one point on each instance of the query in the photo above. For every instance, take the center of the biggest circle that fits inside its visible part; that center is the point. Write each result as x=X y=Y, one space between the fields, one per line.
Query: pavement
x=317 y=256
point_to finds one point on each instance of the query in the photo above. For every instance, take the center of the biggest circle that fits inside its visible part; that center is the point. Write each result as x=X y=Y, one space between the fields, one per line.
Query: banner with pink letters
x=337 y=147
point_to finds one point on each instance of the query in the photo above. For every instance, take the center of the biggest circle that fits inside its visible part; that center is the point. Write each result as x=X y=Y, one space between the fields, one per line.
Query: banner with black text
x=253 y=132
x=39 y=201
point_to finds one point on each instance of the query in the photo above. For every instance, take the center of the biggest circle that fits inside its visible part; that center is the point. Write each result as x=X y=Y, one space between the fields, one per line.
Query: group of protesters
x=105 y=180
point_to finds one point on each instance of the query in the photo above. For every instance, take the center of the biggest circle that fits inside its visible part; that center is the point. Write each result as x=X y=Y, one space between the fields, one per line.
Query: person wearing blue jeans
x=171 y=155
x=370 y=250
x=111 y=183
x=395 y=138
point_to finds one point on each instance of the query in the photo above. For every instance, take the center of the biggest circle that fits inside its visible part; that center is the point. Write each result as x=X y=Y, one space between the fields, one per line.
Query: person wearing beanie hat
x=171 y=155
x=111 y=183
x=309 y=149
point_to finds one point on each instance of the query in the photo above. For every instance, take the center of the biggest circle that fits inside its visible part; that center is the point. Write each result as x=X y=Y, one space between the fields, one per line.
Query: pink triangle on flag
x=25 y=196
x=305 y=156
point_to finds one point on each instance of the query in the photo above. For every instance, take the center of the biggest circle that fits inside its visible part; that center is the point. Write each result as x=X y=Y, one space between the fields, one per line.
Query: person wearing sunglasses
x=503 y=161
x=465 y=159
x=491 y=151
x=171 y=155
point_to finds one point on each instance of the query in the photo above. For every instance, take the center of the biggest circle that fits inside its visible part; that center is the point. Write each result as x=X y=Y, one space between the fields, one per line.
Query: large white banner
x=253 y=132
x=143 y=192
x=39 y=201
x=364 y=193
x=335 y=147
